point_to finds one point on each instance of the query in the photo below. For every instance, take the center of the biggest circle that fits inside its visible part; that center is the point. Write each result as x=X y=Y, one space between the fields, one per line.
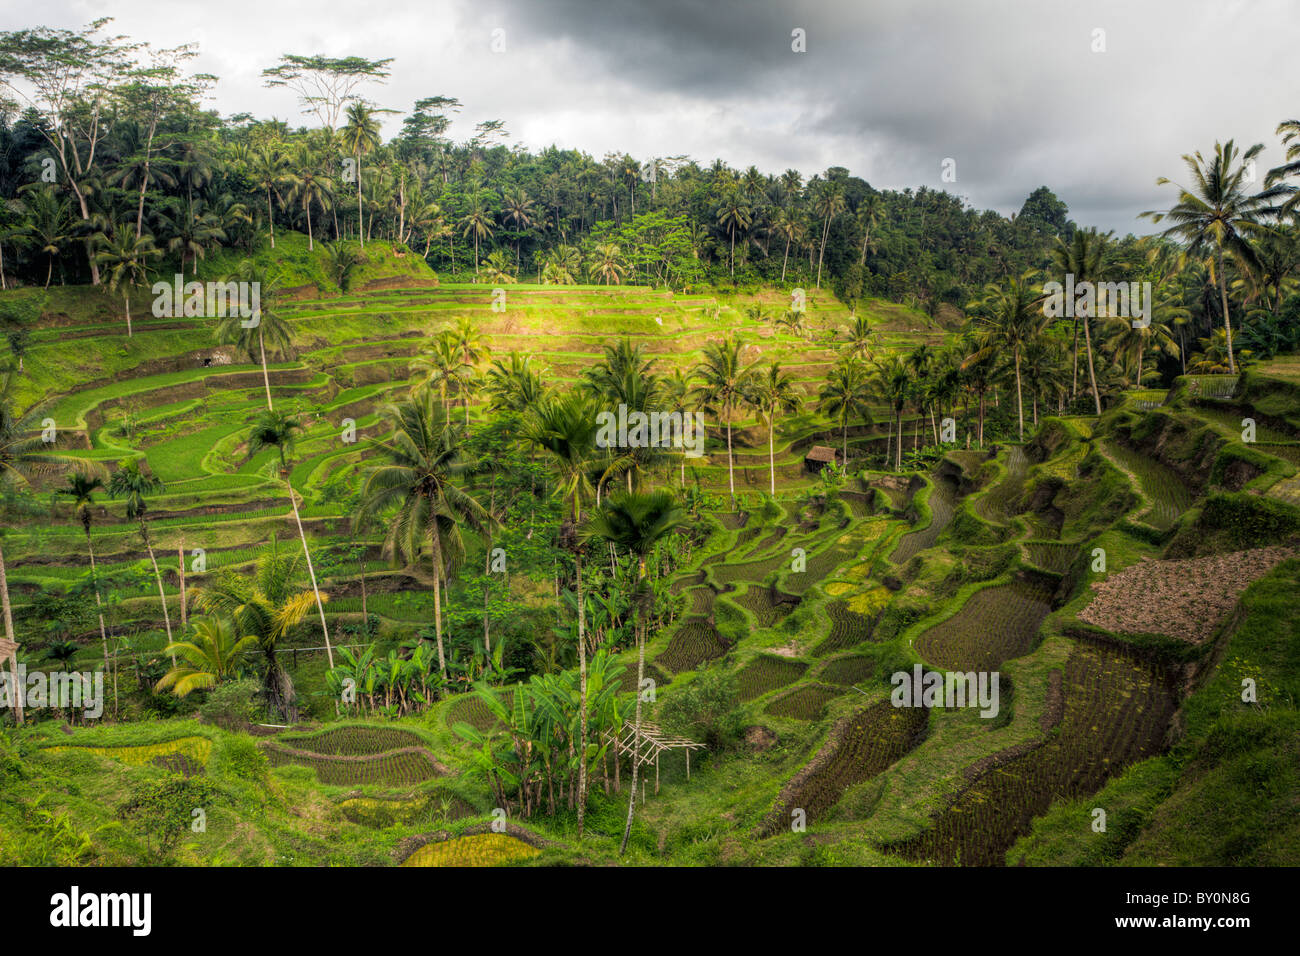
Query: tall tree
x=134 y=483
x=772 y=391
x=724 y=379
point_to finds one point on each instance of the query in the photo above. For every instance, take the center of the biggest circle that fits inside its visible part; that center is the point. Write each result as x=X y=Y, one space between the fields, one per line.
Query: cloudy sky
x=1015 y=91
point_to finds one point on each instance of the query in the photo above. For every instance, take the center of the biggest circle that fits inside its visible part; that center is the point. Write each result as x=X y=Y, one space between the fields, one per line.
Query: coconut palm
x=441 y=366
x=1219 y=214
x=516 y=209
x=266 y=606
x=211 y=655
x=81 y=489
x=134 y=483
x=891 y=382
x=269 y=169
x=47 y=225
x=477 y=223
x=515 y=386
x=277 y=430
x=635 y=524
x=565 y=428
x=733 y=214
x=789 y=227
x=359 y=136
x=858 y=336
x=724 y=379
x=828 y=204
x=124 y=255
x=254 y=333
x=607 y=263
x=1083 y=257
x=1010 y=318
x=845 y=397
x=418 y=482
x=772 y=391
x=312 y=188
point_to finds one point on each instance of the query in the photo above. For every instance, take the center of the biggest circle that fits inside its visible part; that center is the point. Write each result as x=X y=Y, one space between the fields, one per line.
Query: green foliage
x=706 y=709
x=162 y=811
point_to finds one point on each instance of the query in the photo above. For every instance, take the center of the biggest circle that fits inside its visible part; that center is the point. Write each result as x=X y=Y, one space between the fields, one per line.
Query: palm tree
x=268 y=325
x=515 y=386
x=733 y=214
x=124 y=255
x=1218 y=214
x=418 y=480
x=211 y=656
x=133 y=483
x=472 y=348
x=859 y=337
x=565 y=428
x=517 y=209
x=724 y=380
x=1082 y=257
x=312 y=188
x=477 y=223
x=47 y=224
x=81 y=489
x=266 y=606
x=607 y=263
x=269 y=171
x=192 y=231
x=634 y=524
x=277 y=430
x=787 y=226
x=360 y=136
x=828 y=204
x=844 y=397
x=1010 y=319
x=769 y=394
x=674 y=398
x=441 y=365
x=892 y=383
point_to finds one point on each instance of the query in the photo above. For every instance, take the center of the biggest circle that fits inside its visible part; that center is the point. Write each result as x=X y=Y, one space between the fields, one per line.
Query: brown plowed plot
x=764 y=674
x=397 y=768
x=857 y=750
x=688 y=581
x=804 y=703
x=995 y=624
x=733 y=520
x=847 y=670
x=993 y=504
x=1117 y=709
x=1183 y=599
x=702 y=599
x=695 y=642
x=848 y=629
x=750 y=570
x=1051 y=555
x=768 y=542
x=942 y=501
x=767 y=608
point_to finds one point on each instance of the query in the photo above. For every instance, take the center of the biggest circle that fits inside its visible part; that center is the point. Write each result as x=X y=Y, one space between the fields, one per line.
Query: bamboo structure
x=654 y=742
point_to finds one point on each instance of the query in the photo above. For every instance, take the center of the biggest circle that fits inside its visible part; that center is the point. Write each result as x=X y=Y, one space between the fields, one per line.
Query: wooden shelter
x=819 y=456
x=653 y=743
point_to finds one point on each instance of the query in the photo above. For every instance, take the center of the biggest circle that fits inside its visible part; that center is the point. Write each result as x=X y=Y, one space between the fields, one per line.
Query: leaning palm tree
x=770 y=393
x=25 y=459
x=212 y=655
x=844 y=397
x=724 y=379
x=360 y=136
x=133 y=483
x=1218 y=214
x=81 y=489
x=634 y=524
x=252 y=334
x=277 y=430
x=418 y=482
x=1010 y=318
x=565 y=428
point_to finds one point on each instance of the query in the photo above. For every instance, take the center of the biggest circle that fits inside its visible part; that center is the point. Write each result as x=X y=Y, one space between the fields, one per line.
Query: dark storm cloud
x=1012 y=91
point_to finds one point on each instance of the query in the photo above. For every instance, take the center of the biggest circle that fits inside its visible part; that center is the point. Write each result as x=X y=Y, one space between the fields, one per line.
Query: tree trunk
x=1092 y=374
x=361 y=218
x=771 y=454
x=270 y=216
x=162 y=595
x=582 y=695
x=436 y=557
x=266 y=375
x=9 y=634
x=99 y=602
x=1020 y=401
x=636 y=727
x=731 y=472
x=127 y=299
x=1227 y=322
x=311 y=571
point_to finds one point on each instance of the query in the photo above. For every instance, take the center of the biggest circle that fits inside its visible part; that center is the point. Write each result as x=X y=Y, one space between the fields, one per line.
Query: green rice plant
x=766 y=673
x=993 y=625
x=768 y=607
x=1160 y=485
x=847 y=670
x=401 y=768
x=942 y=502
x=848 y=629
x=196 y=749
x=806 y=702
x=353 y=740
x=695 y=642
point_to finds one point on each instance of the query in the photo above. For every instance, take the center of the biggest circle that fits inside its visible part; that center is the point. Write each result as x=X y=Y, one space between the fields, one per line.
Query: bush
x=231 y=706
x=240 y=757
x=163 y=811
x=706 y=709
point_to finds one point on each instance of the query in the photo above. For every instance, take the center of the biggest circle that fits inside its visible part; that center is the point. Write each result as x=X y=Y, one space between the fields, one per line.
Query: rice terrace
x=379 y=489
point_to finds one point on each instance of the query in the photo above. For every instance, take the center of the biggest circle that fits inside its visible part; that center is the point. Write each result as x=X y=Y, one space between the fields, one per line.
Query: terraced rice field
x=993 y=505
x=382 y=812
x=806 y=702
x=943 y=499
x=847 y=670
x=694 y=643
x=995 y=624
x=349 y=741
x=848 y=629
x=193 y=749
x=397 y=768
x=862 y=747
x=1117 y=709
x=1053 y=556
x=470 y=709
x=768 y=608
x=482 y=849
x=765 y=674
x=1168 y=494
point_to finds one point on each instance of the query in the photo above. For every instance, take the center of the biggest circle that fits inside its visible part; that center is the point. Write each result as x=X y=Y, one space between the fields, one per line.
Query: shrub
x=162 y=811
x=231 y=706
x=706 y=709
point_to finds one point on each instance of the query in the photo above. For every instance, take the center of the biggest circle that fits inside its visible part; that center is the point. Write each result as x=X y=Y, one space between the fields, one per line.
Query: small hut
x=819 y=456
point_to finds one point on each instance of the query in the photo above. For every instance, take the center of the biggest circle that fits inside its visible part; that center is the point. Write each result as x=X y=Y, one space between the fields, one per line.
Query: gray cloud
x=1012 y=91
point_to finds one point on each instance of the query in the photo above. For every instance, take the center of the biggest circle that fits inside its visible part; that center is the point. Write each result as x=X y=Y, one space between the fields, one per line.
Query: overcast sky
x=1012 y=90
